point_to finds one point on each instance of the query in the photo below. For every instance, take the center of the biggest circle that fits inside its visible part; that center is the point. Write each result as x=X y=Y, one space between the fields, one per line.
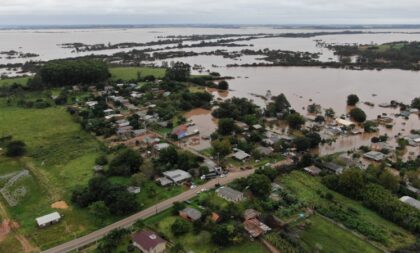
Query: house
x=381 y=146
x=374 y=155
x=108 y=111
x=413 y=140
x=243 y=126
x=251 y=214
x=183 y=131
x=139 y=132
x=240 y=155
x=257 y=127
x=337 y=169
x=190 y=214
x=161 y=146
x=230 y=194
x=255 y=227
x=114 y=116
x=313 y=170
x=212 y=166
x=215 y=217
x=411 y=201
x=149 y=242
x=91 y=104
x=48 y=219
x=264 y=150
x=174 y=177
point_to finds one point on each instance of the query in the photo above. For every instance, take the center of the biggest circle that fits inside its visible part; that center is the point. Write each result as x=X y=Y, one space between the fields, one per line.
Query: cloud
x=209 y=11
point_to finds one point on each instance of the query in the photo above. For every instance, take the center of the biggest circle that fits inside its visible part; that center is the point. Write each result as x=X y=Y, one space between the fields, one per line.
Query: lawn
x=60 y=157
x=130 y=73
x=10 y=81
x=307 y=189
x=330 y=238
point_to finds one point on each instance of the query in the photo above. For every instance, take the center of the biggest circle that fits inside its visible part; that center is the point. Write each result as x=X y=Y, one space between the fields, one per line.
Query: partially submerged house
x=375 y=156
x=48 y=219
x=149 y=242
x=230 y=194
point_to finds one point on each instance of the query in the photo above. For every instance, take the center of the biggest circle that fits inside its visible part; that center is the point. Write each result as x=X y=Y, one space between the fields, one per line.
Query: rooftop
x=177 y=175
x=411 y=201
x=48 y=218
x=147 y=239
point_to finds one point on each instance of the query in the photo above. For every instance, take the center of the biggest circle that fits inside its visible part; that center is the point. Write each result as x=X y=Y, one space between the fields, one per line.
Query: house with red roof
x=149 y=242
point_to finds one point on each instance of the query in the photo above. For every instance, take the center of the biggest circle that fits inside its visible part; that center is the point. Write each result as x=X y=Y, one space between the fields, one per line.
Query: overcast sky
x=59 y=12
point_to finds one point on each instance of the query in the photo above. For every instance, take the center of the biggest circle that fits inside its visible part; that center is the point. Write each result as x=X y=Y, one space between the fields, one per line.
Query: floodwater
x=203 y=121
x=301 y=85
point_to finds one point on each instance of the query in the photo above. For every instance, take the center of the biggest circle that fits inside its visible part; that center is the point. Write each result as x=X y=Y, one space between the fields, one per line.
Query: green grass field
x=305 y=188
x=60 y=157
x=329 y=238
x=10 y=81
x=130 y=73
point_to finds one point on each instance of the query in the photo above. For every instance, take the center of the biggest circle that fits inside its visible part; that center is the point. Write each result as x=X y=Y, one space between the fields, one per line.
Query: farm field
x=307 y=188
x=324 y=235
x=130 y=73
x=60 y=156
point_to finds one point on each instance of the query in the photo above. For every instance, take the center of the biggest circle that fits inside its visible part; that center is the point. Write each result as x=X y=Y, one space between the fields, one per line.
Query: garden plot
x=13 y=186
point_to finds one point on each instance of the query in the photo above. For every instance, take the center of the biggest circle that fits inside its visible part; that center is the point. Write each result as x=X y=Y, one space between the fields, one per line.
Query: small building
x=243 y=126
x=257 y=127
x=344 y=122
x=174 y=177
x=161 y=146
x=374 y=155
x=48 y=219
x=255 y=227
x=337 y=169
x=91 y=104
x=251 y=214
x=133 y=189
x=411 y=201
x=230 y=194
x=139 y=132
x=313 y=170
x=265 y=150
x=240 y=155
x=98 y=168
x=149 y=242
x=190 y=214
x=183 y=131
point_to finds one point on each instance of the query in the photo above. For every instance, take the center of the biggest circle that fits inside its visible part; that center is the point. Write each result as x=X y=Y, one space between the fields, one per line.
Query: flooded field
x=301 y=85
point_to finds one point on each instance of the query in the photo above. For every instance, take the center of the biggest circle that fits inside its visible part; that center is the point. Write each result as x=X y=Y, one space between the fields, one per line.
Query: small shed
x=48 y=219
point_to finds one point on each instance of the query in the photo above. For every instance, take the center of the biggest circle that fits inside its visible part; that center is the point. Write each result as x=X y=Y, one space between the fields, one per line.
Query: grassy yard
x=130 y=73
x=10 y=81
x=307 y=188
x=329 y=238
x=60 y=157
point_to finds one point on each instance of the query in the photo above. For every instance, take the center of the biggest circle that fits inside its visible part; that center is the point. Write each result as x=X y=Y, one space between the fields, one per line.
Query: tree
x=101 y=160
x=351 y=182
x=279 y=104
x=329 y=113
x=15 y=148
x=295 y=121
x=223 y=85
x=358 y=115
x=302 y=143
x=260 y=185
x=352 y=99
x=178 y=206
x=226 y=126
x=416 y=103
x=180 y=227
x=314 y=139
x=222 y=235
x=168 y=156
x=179 y=72
x=99 y=210
x=389 y=181
x=125 y=163
x=221 y=147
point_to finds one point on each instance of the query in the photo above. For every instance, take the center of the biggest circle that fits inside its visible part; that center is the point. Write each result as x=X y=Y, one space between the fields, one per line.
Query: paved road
x=127 y=222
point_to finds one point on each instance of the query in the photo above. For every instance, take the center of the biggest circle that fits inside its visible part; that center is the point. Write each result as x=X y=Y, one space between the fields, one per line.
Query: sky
x=78 y=12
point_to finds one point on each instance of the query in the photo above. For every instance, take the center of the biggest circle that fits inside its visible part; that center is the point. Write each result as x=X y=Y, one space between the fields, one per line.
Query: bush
x=180 y=227
x=223 y=85
x=15 y=148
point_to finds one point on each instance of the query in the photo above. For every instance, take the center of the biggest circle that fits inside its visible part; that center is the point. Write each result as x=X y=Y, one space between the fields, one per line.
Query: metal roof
x=48 y=218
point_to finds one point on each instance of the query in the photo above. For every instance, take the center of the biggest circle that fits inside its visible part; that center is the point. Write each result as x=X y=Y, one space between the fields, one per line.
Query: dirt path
x=26 y=245
x=42 y=177
x=270 y=247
